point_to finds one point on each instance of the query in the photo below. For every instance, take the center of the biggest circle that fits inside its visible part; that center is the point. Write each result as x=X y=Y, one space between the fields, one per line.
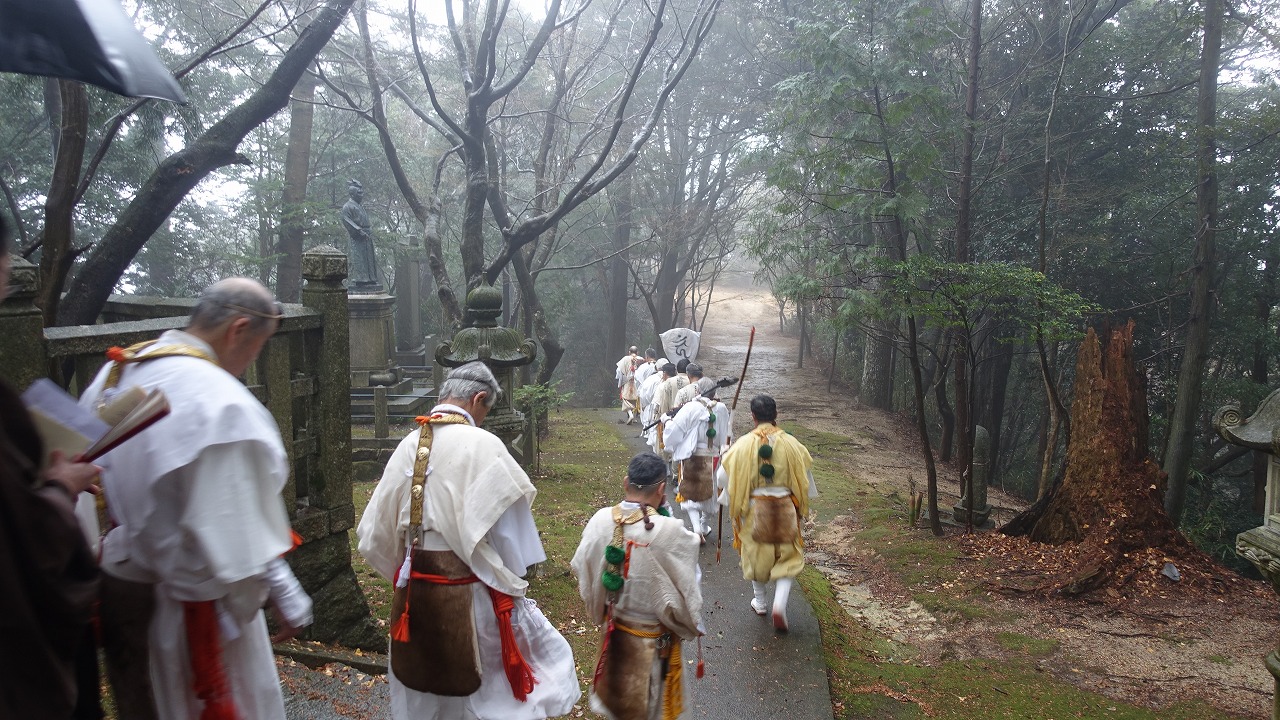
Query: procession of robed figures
x=197 y=534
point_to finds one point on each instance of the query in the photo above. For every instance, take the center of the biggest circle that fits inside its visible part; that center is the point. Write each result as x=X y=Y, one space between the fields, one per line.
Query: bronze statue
x=362 y=264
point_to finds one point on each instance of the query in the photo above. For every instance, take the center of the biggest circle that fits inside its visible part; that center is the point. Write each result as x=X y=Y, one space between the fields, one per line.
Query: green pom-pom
x=711 y=432
x=766 y=470
x=614 y=555
x=766 y=452
x=664 y=511
x=612 y=581
x=711 y=417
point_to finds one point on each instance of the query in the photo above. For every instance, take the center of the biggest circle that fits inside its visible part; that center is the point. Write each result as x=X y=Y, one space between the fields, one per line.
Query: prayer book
x=65 y=426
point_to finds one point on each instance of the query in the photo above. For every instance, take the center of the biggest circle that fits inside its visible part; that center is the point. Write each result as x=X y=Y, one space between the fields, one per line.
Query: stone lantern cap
x=482 y=339
x=1260 y=431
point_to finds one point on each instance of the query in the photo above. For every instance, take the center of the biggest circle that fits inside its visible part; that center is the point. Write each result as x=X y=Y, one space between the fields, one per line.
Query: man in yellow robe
x=768 y=479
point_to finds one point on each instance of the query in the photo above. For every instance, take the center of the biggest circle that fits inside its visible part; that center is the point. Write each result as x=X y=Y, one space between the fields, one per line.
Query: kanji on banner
x=681 y=343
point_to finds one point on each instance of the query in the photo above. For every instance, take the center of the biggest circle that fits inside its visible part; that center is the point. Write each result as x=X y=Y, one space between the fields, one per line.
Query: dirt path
x=1171 y=648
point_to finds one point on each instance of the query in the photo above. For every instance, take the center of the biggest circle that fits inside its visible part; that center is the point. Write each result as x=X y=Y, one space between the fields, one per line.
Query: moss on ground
x=867 y=682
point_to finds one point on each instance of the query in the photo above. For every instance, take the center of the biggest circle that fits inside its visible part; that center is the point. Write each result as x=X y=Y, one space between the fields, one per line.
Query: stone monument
x=981 y=470
x=503 y=349
x=411 y=342
x=363 y=264
x=1261 y=545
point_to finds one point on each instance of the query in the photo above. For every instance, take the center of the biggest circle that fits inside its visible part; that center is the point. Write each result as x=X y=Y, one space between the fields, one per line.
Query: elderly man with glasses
x=450 y=525
x=199 y=525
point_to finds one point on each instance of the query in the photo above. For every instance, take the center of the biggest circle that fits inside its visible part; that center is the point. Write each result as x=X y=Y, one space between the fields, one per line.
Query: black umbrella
x=92 y=41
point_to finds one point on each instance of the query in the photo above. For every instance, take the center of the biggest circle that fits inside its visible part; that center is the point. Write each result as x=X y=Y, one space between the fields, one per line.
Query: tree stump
x=1111 y=499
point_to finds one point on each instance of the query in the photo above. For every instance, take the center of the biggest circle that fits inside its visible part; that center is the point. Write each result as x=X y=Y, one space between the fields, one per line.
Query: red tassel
x=400 y=628
x=209 y=679
x=519 y=674
x=702 y=669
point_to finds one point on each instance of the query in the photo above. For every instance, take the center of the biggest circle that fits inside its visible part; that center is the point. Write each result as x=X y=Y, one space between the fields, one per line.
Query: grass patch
x=1036 y=647
x=867 y=682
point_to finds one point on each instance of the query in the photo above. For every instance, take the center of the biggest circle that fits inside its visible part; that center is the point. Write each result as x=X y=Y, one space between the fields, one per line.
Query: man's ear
x=480 y=397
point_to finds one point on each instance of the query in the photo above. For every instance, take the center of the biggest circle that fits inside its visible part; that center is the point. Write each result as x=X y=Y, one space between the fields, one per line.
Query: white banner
x=681 y=343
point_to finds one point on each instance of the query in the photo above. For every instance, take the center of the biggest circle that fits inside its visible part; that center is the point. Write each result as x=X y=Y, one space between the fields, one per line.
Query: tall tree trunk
x=297 y=173
x=999 y=366
x=1182 y=426
x=964 y=209
x=59 y=209
x=619 y=274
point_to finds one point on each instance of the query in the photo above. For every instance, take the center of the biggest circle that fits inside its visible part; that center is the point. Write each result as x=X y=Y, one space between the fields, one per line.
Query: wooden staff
x=742 y=379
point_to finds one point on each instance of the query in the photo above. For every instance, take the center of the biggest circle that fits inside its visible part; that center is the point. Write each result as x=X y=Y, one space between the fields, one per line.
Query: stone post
x=323 y=269
x=323 y=562
x=981 y=463
x=411 y=348
x=22 y=352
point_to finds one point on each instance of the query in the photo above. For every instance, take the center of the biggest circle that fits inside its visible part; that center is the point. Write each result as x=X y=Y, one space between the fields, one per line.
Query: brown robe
x=48 y=575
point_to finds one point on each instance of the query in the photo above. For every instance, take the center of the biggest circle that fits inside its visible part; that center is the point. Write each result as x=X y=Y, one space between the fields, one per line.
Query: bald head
x=236 y=317
x=231 y=298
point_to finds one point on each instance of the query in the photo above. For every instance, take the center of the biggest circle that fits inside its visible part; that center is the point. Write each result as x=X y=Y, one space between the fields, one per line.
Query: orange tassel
x=519 y=674
x=209 y=677
x=702 y=669
x=400 y=628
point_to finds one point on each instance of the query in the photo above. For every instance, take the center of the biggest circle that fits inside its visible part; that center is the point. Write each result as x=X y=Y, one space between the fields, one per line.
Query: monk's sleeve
x=380 y=532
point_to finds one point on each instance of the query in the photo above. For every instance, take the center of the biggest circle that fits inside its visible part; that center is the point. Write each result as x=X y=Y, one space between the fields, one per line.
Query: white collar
x=451 y=408
x=182 y=337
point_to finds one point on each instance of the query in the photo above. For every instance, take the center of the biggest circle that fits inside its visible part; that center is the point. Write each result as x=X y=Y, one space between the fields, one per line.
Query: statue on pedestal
x=363 y=265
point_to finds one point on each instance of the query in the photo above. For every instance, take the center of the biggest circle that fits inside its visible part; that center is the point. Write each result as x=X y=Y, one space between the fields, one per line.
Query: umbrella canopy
x=92 y=41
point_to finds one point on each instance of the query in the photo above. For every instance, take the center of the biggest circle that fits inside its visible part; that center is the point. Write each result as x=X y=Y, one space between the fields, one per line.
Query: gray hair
x=231 y=298
x=465 y=381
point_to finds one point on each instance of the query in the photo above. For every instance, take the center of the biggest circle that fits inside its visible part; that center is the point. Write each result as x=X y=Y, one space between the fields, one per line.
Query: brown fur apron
x=696 y=478
x=441 y=656
x=775 y=519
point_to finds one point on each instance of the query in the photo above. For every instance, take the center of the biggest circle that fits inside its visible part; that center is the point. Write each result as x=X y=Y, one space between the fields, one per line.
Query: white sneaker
x=759 y=607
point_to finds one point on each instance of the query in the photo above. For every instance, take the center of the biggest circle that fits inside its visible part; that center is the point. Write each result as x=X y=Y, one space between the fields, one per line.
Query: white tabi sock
x=695 y=519
x=757 y=589
x=780 y=595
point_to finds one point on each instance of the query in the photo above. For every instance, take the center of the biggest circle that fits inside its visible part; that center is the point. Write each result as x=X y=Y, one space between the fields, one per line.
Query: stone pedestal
x=1261 y=545
x=372 y=339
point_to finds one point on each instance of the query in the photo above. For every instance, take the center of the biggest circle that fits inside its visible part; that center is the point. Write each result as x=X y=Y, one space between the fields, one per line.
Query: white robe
x=662 y=582
x=196 y=499
x=685 y=435
x=477 y=505
x=648 y=413
x=643 y=372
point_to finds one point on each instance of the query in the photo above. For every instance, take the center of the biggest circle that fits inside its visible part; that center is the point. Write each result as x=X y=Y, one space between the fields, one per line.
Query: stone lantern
x=503 y=349
x=1261 y=545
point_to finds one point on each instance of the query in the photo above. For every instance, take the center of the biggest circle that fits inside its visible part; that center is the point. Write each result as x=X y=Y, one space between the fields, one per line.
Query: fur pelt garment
x=441 y=656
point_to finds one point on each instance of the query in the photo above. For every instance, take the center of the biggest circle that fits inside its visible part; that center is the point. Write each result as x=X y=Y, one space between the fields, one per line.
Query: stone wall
x=301 y=377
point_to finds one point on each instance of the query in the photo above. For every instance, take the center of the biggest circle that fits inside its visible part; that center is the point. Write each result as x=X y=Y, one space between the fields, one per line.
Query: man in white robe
x=647 y=596
x=648 y=367
x=664 y=400
x=693 y=371
x=198 y=512
x=648 y=396
x=625 y=374
x=476 y=504
x=696 y=435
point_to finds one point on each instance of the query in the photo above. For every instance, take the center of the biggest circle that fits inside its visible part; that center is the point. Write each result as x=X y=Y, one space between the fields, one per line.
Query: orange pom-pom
x=421 y=419
x=116 y=354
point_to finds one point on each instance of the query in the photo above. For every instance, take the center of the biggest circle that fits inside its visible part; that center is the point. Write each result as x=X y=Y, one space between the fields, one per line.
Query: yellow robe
x=792 y=466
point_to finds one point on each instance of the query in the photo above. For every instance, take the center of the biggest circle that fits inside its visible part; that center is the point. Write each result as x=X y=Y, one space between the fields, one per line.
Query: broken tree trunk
x=1110 y=503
